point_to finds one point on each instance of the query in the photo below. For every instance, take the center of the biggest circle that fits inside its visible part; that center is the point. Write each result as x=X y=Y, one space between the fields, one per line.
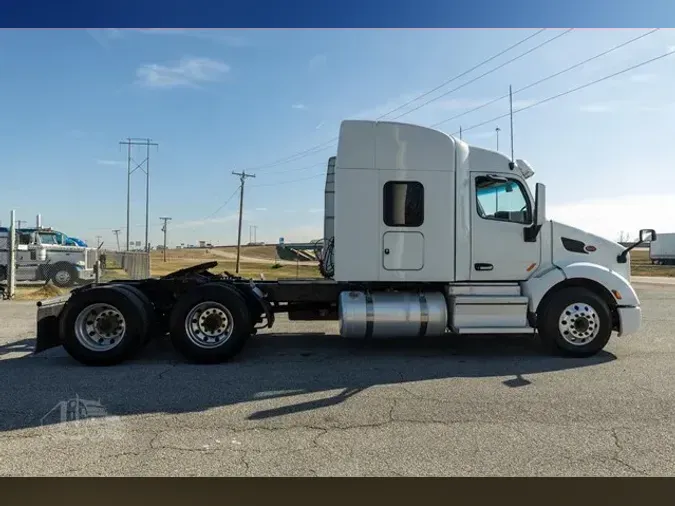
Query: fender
x=537 y=287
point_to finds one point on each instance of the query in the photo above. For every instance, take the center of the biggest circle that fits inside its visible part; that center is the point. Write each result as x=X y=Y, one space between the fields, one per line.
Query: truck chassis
x=209 y=317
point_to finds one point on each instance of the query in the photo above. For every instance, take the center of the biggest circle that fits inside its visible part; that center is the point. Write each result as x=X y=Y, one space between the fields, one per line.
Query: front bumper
x=629 y=320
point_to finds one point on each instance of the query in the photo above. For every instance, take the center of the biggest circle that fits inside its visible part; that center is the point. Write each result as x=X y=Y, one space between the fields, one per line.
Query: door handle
x=386 y=251
x=483 y=267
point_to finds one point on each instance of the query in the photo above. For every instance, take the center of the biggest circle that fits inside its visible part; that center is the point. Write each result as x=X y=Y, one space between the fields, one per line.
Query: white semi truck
x=662 y=251
x=41 y=256
x=425 y=235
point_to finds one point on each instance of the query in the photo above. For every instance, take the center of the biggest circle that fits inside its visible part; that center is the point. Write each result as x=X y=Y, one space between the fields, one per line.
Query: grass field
x=641 y=266
x=257 y=260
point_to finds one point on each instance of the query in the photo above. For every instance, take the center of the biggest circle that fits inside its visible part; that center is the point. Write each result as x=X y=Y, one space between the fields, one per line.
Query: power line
x=224 y=204
x=464 y=73
x=508 y=62
x=551 y=76
x=578 y=88
x=290 y=181
x=325 y=145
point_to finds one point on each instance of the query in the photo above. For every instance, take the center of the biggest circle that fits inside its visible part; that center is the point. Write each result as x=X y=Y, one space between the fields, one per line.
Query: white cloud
x=643 y=78
x=608 y=217
x=598 y=107
x=209 y=221
x=321 y=124
x=261 y=209
x=211 y=35
x=303 y=234
x=113 y=163
x=103 y=36
x=188 y=72
x=300 y=107
x=317 y=61
x=670 y=49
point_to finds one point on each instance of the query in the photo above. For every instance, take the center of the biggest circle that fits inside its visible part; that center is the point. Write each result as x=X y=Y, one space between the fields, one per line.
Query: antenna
x=511 y=119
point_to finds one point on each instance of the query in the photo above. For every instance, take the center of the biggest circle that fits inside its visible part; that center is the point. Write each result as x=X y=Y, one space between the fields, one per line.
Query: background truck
x=662 y=251
x=43 y=254
x=425 y=236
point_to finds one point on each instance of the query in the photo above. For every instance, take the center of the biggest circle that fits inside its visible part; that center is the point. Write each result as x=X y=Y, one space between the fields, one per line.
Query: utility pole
x=98 y=240
x=497 y=130
x=255 y=233
x=117 y=236
x=252 y=229
x=165 y=219
x=139 y=142
x=242 y=178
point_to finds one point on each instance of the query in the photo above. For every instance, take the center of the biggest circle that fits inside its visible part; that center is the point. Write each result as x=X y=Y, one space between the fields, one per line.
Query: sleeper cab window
x=502 y=200
x=403 y=204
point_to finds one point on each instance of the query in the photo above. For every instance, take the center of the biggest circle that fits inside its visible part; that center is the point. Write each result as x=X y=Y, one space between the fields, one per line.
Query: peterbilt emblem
x=590 y=248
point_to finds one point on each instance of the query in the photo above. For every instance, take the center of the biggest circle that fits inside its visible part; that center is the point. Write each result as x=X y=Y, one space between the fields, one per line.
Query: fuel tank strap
x=370 y=315
x=424 y=315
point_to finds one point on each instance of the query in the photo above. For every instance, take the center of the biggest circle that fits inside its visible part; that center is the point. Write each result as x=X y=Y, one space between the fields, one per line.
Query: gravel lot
x=300 y=404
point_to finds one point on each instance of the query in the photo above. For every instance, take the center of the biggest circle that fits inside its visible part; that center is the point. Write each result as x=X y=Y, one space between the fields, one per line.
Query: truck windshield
x=48 y=239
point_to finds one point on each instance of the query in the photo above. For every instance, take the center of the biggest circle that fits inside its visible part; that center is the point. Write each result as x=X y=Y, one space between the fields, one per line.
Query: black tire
x=583 y=305
x=126 y=303
x=226 y=344
x=148 y=308
x=63 y=275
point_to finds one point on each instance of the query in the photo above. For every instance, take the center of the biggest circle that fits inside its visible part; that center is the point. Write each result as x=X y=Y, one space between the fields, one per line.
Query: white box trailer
x=429 y=236
x=662 y=249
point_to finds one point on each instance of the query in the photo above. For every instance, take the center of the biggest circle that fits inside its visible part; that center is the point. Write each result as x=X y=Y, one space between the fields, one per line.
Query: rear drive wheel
x=103 y=325
x=575 y=322
x=210 y=324
x=148 y=308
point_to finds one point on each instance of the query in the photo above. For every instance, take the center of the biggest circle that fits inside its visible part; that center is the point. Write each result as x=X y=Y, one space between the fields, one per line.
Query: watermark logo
x=83 y=419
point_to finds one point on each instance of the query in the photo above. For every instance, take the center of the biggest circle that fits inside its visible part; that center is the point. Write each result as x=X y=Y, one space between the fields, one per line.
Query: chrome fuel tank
x=392 y=314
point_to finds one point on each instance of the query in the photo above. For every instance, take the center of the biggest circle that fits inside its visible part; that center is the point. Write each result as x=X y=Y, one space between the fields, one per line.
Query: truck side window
x=403 y=204
x=502 y=200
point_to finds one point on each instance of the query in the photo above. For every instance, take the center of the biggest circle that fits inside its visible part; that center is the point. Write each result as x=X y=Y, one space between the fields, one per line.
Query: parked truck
x=426 y=235
x=44 y=254
x=662 y=251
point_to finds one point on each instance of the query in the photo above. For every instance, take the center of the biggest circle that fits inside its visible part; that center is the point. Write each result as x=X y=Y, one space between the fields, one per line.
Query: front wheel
x=575 y=322
x=63 y=275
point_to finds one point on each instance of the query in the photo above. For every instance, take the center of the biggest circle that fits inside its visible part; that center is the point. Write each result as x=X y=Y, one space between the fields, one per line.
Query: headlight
x=81 y=263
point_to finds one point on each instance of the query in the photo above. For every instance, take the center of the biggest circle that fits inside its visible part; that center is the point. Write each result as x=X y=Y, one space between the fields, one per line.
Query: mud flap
x=48 y=323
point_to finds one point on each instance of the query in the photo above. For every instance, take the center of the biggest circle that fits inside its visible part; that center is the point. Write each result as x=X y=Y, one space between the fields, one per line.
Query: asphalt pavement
x=304 y=402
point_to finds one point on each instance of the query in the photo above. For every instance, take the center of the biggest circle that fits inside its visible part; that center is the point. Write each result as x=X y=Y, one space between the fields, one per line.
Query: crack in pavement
x=616 y=456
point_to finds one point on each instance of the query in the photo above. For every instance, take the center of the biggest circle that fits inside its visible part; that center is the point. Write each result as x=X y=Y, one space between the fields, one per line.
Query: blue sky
x=218 y=101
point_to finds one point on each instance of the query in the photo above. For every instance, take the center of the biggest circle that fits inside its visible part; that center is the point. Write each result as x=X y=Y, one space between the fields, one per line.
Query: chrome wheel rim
x=209 y=325
x=100 y=327
x=579 y=324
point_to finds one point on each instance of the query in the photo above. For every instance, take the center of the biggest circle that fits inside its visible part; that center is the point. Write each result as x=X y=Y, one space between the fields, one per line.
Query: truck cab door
x=501 y=208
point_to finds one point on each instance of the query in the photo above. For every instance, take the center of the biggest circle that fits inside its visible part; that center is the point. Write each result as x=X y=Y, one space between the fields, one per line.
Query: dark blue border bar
x=336 y=14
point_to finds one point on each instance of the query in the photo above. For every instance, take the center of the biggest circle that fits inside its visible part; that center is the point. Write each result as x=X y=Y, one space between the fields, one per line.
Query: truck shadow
x=268 y=377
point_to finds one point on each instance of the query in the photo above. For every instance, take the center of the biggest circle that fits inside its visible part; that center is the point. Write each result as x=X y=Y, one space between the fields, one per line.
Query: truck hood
x=571 y=245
